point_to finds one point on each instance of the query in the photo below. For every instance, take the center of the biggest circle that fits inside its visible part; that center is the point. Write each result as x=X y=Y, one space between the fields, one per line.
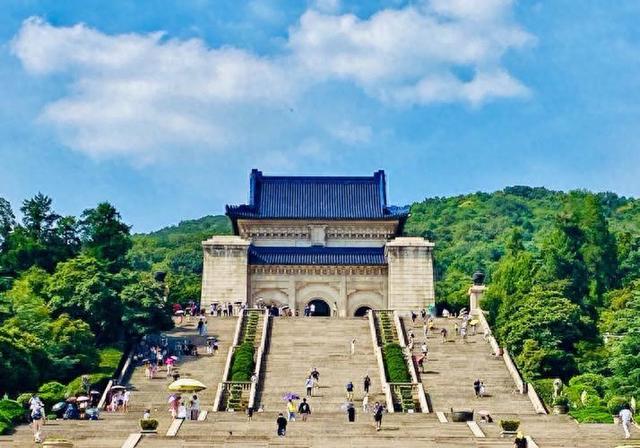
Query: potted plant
x=561 y=405
x=509 y=427
x=55 y=442
x=615 y=405
x=148 y=425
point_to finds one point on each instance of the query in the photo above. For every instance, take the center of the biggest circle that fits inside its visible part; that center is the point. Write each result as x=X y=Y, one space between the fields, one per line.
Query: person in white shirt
x=626 y=418
x=182 y=411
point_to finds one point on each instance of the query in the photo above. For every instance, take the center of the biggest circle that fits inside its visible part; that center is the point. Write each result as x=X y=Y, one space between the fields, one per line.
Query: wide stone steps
x=299 y=344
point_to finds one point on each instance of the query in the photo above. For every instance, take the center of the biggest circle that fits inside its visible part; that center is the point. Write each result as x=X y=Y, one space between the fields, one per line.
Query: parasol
x=94 y=392
x=474 y=322
x=179 y=313
x=186 y=385
x=59 y=407
x=174 y=357
x=290 y=396
x=118 y=387
x=83 y=398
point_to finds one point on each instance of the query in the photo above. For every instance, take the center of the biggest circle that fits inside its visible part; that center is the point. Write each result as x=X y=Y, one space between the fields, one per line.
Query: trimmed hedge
x=242 y=363
x=395 y=364
x=11 y=414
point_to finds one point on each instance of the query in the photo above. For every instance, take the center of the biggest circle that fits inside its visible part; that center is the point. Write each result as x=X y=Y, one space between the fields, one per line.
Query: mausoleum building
x=330 y=241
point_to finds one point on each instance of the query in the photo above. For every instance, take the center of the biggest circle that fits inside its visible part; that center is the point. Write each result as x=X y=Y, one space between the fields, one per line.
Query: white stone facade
x=405 y=283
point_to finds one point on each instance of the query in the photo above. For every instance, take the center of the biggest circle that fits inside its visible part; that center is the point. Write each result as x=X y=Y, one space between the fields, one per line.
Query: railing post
x=259 y=359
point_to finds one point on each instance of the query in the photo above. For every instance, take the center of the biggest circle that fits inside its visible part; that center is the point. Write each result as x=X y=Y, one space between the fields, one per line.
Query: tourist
x=425 y=330
x=424 y=349
x=291 y=411
x=125 y=400
x=316 y=377
x=410 y=344
x=443 y=333
x=174 y=404
x=485 y=416
x=445 y=313
x=306 y=310
x=421 y=363
x=353 y=346
x=476 y=387
x=210 y=347
x=212 y=309
x=230 y=308
x=205 y=328
x=378 y=409
x=423 y=314
x=413 y=317
x=520 y=441
x=312 y=309
x=225 y=309
x=199 y=326
x=249 y=413
x=308 y=384
x=215 y=347
x=463 y=334
x=281 y=422
x=482 y=389
x=365 y=403
x=195 y=407
x=351 y=413
x=36 y=408
x=367 y=384
x=626 y=418
x=487 y=334
x=349 y=388
x=456 y=328
x=304 y=409
x=182 y=411
x=147 y=414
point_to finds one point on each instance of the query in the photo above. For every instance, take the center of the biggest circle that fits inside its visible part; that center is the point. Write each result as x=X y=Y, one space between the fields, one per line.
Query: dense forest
x=563 y=276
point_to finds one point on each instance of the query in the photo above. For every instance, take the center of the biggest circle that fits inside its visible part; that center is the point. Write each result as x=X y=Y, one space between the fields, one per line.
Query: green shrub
x=562 y=400
x=592 y=414
x=11 y=414
x=395 y=364
x=574 y=393
x=510 y=425
x=23 y=399
x=96 y=380
x=242 y=363
x=52 y=392
x=591 y=380
x=109 y=360
x=616 y=404
x=5 y=428
x=544 y=388
x=148 y=424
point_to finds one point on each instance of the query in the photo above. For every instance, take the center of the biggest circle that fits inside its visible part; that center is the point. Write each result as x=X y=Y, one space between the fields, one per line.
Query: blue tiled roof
x=282 y=197
x=367 y=256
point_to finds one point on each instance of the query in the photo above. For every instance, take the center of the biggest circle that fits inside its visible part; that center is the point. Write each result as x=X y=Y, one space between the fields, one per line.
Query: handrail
x=424 y=404
x=227 y=365
x=260 y=359
x=121 y=372
x=378 y=352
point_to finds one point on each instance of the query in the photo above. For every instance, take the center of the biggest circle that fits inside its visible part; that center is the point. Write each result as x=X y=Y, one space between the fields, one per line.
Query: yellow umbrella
x=474 y=322
x=186 y=385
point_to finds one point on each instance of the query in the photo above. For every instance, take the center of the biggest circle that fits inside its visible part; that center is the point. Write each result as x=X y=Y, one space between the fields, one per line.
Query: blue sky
x=163 y=107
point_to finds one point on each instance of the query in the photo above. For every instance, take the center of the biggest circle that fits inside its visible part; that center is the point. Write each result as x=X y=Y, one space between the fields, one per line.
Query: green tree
x=105 y=236
x=145 y=307
x=71 y=347
x=84 y=288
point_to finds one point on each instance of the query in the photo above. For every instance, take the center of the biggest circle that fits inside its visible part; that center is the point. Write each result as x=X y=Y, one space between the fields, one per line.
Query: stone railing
x=264 y=346
x=120 y=374
x=233 y=393
x=419 y=387
x=227 y=365
x=409 y=397
x=378 y=352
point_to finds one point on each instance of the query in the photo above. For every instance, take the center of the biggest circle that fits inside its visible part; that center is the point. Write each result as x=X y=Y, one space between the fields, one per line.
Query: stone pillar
x=475 y=295
x=225 y=270
x=410 y=277
x=343 y=299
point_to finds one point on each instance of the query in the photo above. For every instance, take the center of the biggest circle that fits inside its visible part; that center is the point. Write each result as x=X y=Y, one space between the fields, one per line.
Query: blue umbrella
x=290 y=396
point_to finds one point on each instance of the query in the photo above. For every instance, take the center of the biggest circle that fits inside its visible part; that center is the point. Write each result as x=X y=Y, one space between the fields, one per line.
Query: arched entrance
x=320 y=307
x=361 y=311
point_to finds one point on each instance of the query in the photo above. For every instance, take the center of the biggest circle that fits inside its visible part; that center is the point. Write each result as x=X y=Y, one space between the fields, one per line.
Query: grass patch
x=591 y=415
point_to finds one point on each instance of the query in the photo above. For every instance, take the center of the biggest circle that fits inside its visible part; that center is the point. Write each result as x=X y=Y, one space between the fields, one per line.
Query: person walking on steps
x=476 y=387
x=365 y=403
x=308 y=384
x=367 y=384
x=291 y=411
x=316 y=377
x=626 y=419
x=353 y=346
x=281 y=423
x=351 y=413
x=377 y=415
x=304 y=409
x=349 y=388
x=520 y=441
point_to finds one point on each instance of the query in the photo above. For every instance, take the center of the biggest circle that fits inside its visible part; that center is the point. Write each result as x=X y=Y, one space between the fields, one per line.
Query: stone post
x=475 y=295
x=411 y=282
x=225 y=270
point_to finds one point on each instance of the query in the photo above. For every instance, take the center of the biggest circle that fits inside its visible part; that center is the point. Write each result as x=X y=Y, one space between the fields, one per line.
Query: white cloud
x=145 y=95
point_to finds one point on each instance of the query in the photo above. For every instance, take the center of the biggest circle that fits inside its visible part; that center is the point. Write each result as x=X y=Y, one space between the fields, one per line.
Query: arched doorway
x=361 y=311
x=320 y=308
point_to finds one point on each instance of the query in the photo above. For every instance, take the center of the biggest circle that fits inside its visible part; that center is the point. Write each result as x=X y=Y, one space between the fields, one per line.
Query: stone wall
x=349 y=287
x=411 y=281
x=225 y=270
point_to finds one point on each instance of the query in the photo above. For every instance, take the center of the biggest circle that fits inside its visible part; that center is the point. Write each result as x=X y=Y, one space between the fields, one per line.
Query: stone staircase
x=299 y=344
x=114 y=428
x=453 y=366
